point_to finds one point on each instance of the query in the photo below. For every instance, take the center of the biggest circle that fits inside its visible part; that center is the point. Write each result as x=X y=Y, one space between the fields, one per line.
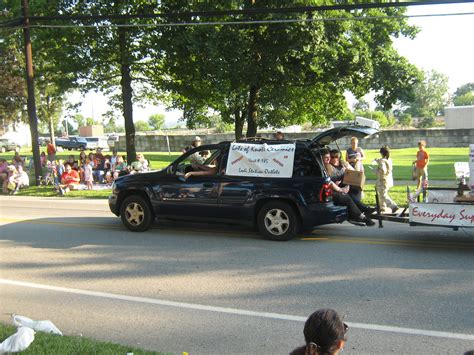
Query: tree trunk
x=127 y=92
x=51 y=131
x=239 y=123
x=252 y=111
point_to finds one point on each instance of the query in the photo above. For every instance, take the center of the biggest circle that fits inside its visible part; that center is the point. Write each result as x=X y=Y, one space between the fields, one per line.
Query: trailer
x=451 y=207
x=429 y=211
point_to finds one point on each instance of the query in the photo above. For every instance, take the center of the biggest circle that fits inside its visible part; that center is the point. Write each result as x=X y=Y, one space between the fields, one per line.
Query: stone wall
x=393 y=138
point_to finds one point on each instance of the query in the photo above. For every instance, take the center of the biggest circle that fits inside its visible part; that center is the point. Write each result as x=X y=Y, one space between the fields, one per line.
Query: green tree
x=282 y=73
x=142 y=126
x=427 y=122
x=156 y=121
x=102 y=57
x=361 y=106
x=430 y=96
x=12 y=78
x=91 y=122
x=464 y=95
x=79 y=119
x=49 y=105
x=405 y=119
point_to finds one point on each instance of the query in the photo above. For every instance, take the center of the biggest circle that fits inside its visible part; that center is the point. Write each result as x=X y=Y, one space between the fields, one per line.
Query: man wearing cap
x=199 y=157
x=196 y=143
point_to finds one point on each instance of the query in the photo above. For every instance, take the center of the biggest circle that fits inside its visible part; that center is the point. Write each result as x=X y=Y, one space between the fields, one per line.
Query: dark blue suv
x=278 y=206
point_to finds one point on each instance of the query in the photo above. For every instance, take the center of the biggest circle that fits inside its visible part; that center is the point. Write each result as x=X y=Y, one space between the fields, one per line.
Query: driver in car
x=204 y=170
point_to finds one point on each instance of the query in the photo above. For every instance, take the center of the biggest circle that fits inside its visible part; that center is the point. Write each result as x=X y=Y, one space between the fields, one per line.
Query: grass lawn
x=441 y=168
x=53 y=344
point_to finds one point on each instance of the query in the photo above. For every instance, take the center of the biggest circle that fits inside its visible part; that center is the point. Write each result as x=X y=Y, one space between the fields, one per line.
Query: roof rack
x=251 y=139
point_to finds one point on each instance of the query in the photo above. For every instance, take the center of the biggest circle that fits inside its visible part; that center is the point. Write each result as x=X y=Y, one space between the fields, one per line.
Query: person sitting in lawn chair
x=18 y=178
x=141 y=165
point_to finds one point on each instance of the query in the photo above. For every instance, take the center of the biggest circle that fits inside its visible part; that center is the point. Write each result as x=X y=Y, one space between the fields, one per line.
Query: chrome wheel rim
x=134 y=214
x=277 y=221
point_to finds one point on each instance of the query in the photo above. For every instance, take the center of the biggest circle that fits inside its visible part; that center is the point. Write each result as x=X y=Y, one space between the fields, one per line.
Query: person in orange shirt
x=421 y=164
x=69 y=179
x=51 y=150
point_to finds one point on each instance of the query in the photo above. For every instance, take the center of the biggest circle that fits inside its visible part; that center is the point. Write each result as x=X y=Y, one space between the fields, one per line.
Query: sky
x=444 y=44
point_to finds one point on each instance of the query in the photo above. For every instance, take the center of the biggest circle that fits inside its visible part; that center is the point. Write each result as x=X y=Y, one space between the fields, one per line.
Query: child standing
x=385 y=180
x=88 y=178
x=421 y=164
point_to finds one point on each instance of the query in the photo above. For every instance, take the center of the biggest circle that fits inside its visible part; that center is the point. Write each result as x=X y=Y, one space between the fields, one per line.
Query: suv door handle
x=208 y=184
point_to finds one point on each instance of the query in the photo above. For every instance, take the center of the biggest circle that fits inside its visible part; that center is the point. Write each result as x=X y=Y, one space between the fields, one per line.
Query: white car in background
x=113 y=140
x=97 y=142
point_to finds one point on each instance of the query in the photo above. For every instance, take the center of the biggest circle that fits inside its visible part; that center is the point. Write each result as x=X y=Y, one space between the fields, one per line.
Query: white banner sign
x=443 y=214
x=261 y=160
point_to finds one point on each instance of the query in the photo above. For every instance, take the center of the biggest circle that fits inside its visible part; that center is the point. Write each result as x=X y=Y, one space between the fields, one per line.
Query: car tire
x=136 y=214
x=81 y=147
x=277 y=221
x=3 y=149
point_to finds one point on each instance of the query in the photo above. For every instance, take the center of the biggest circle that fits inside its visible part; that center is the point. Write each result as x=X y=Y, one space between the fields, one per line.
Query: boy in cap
x=196 y=143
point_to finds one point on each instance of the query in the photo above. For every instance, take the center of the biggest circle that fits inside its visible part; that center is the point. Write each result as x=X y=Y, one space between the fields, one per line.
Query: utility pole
x=32 y=118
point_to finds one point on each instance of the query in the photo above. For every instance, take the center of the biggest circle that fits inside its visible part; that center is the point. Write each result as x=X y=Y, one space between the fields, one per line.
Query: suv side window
x=201 y=157
x=305 y=164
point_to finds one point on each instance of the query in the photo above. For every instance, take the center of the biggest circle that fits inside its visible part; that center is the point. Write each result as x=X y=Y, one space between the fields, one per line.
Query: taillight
x=326 y=193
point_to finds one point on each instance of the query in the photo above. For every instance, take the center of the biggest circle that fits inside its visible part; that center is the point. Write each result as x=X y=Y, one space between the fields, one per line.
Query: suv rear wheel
x=136 y=214
x=277 y=221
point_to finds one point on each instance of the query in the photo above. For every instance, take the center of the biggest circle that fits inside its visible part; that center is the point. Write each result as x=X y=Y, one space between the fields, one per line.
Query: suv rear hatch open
x=336 y=133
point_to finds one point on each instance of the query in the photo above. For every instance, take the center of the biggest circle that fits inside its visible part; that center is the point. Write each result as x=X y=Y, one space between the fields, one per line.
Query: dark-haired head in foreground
x=324 y=333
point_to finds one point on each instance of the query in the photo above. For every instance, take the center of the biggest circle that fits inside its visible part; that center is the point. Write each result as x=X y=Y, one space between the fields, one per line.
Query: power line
x=250 y=11
x=249 y=22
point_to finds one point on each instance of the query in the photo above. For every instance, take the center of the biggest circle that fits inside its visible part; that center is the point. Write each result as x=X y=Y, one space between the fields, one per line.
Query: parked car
x=113 y=140
x=43 y=141
x=7 y=145
x=278 y=206
x=97 y=142
x=71 y=143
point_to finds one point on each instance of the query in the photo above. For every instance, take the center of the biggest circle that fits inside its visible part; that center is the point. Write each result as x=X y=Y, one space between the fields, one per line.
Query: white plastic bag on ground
x=45 y=326
x=19 y=341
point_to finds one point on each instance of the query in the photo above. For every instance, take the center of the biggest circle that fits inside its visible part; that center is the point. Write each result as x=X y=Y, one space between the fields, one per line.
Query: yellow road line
x=433 y=244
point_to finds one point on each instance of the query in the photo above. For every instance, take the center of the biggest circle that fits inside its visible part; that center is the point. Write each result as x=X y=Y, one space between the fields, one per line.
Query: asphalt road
x=206 y=290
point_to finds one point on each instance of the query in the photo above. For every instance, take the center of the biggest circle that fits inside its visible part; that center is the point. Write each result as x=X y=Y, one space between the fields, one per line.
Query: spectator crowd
x=87 y=171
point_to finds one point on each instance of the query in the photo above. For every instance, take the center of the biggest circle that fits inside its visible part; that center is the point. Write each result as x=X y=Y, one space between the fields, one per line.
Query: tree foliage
x=464 y=95
x=430 y=96
x=142 y=126
x=283 y=73
x=12 y=78
x=259 y=72
x=112 y=60
x=156 y=121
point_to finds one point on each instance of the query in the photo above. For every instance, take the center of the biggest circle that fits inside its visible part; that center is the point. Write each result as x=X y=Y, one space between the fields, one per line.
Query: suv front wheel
x=136 y=214
x=277 y=221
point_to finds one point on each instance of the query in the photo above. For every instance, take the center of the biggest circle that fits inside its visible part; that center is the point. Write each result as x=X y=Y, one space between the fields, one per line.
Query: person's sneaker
x=368 y=222
x=61 y=191
x=370 y=210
